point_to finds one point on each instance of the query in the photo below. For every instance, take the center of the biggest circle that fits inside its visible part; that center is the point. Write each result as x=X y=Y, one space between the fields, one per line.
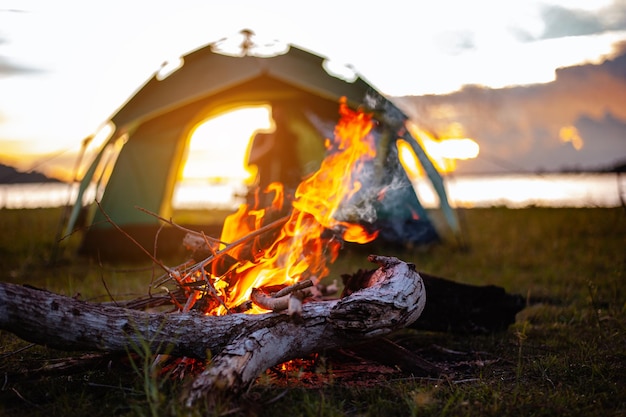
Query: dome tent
x=145 y=151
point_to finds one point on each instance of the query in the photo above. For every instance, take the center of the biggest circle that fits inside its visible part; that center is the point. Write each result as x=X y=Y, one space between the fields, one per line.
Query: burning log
x=289 y=298
x=242 y=345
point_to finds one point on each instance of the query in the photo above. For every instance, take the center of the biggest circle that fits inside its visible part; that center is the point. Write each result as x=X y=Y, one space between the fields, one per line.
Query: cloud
x=561 y=22
x=605 y=135
x=521 y=128
x=616 y=65
x=455 y=42
x=614 y=15
x=8 y=68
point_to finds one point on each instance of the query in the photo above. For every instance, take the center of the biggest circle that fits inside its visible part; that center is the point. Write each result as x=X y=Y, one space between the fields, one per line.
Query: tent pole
x=65 y=215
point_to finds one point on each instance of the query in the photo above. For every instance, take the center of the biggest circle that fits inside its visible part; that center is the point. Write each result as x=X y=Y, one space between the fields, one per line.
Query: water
x=514 y=191
x=35 y=195
x=524 y=190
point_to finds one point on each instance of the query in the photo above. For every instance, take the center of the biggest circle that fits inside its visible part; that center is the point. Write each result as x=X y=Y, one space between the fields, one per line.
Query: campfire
x=265 y=262
x=258 y=254
x=254 y=297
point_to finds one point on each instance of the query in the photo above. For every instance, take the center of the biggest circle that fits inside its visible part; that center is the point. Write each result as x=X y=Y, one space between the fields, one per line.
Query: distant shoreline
x=10 y=175
x=510 y=190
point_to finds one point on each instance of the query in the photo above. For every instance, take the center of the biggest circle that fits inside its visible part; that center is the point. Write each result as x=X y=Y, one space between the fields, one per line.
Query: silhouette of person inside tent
x=275 y=155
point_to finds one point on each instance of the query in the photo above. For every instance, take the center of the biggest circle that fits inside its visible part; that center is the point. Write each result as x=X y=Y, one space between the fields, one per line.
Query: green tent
x=138 y=164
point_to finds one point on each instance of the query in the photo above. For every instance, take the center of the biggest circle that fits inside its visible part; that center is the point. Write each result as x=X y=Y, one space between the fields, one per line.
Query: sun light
x=458 y=148
x=218 y=147
x=443 y=152
x=570 y=134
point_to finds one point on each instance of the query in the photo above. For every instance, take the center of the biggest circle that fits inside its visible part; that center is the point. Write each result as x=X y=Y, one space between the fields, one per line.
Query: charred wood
x=242 y=345
x=457 y=307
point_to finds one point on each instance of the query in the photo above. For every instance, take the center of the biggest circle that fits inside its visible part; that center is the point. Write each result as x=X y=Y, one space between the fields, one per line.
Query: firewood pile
x=242 y=345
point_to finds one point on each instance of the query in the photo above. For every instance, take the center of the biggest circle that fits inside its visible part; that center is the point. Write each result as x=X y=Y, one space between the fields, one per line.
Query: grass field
x=565 y=355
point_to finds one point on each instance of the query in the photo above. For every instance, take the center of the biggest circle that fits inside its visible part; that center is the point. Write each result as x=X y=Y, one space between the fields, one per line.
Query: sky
x=576 y=122
x=67 y=65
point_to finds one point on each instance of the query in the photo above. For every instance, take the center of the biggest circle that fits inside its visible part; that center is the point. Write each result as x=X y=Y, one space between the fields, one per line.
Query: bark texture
x=242 y=345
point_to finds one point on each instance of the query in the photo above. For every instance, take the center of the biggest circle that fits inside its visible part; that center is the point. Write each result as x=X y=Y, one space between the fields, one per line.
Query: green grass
x=565 y=355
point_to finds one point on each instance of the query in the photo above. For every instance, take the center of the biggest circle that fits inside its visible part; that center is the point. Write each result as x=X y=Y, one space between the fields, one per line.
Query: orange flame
x=303 y=247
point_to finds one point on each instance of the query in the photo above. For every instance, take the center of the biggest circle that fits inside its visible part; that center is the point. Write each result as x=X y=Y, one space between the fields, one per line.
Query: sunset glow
x=570 y=134
x=218 y=147
x=443 y=152
x=53 y=97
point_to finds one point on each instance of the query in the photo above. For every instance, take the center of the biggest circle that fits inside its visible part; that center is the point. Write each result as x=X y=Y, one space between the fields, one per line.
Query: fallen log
x=467 y=309
x=242 y=345
x=456 y=307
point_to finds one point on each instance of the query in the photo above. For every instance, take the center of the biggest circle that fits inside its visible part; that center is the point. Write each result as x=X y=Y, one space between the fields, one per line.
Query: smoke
x=385 y=194
x=385 y=200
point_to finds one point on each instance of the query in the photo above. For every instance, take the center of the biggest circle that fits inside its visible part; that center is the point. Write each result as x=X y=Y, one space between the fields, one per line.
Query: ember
x=309 y=238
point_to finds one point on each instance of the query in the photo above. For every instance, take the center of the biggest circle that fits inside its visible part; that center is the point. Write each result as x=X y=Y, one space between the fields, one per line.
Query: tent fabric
x=157 y=121
x=207 y=74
